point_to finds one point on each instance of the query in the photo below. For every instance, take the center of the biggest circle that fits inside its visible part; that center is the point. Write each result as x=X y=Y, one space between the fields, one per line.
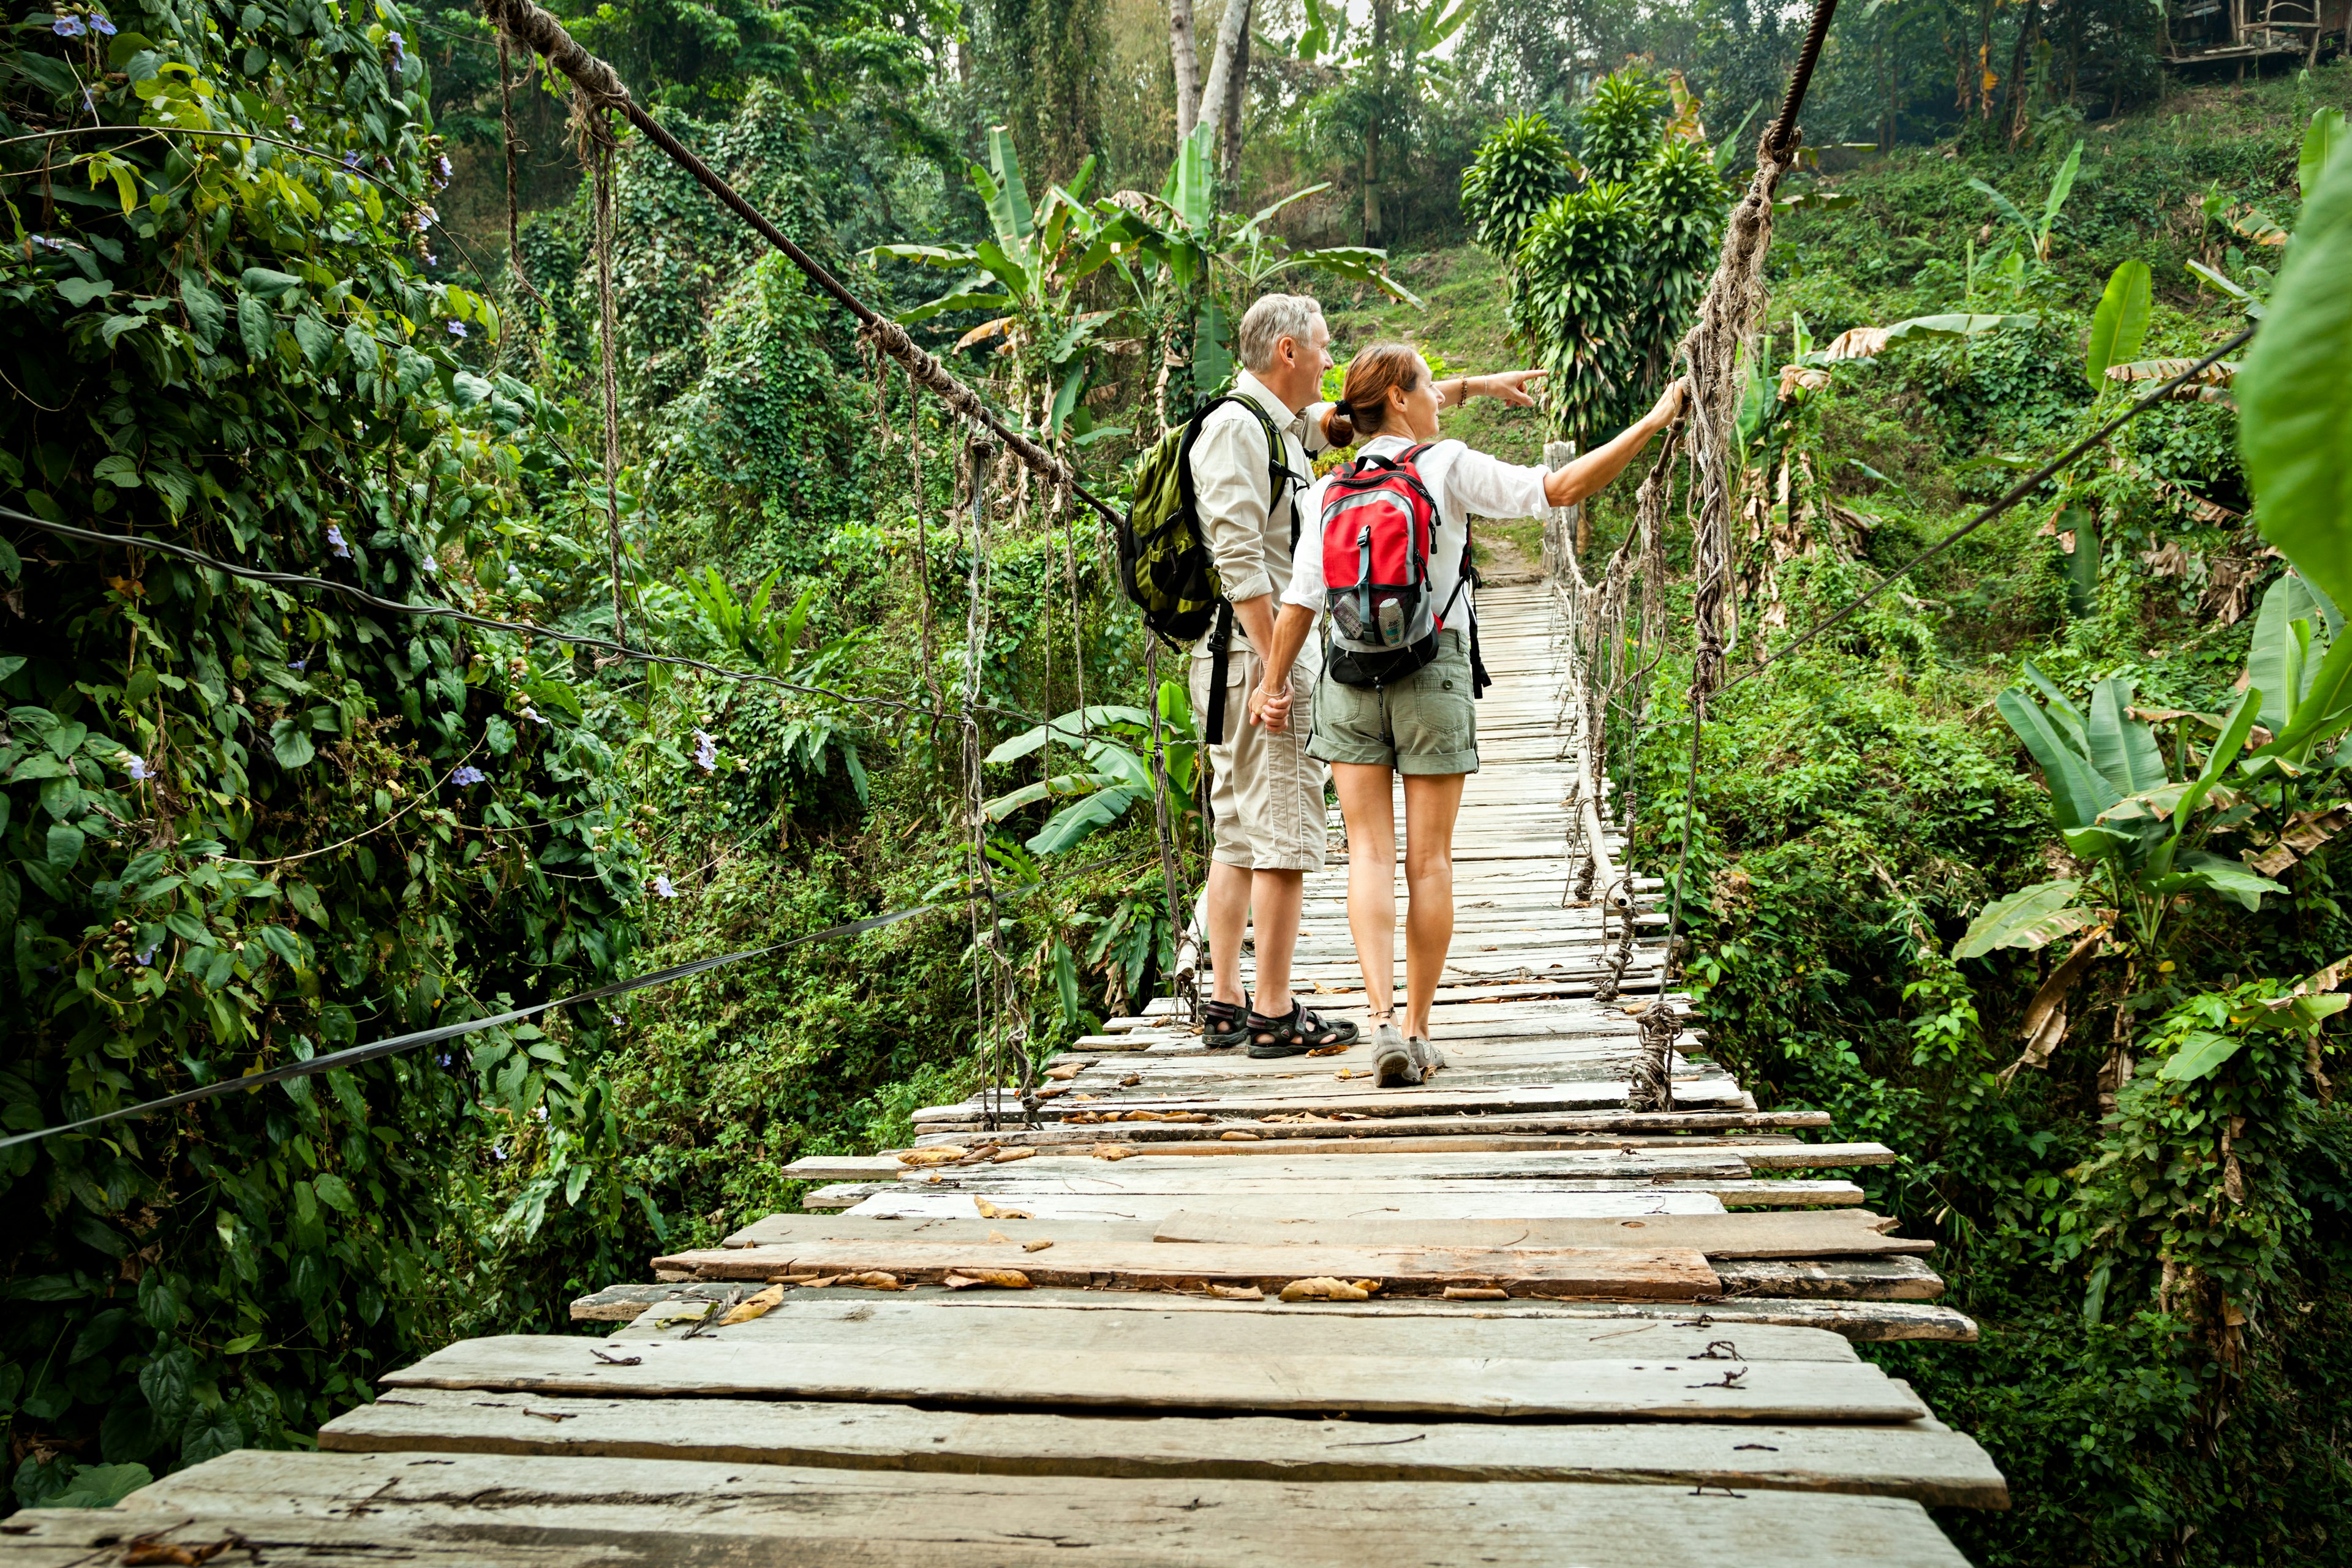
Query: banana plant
x=1029 y=272
x=2033 y=236
x=1203 y=257
x=1113 y=744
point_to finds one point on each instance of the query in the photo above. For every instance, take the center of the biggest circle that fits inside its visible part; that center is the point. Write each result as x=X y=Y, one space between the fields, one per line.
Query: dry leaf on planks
x=1003 y=1279
x=757 y=1306
x=990 y=1211
x=934 y=1154
x=1323 y=1287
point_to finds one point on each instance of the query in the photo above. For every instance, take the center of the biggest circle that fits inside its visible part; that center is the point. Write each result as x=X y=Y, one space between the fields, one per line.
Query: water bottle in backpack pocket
x=1380 y=524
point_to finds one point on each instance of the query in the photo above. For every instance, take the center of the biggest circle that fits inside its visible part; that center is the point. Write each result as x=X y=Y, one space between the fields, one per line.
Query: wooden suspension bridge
x=1208 y=1307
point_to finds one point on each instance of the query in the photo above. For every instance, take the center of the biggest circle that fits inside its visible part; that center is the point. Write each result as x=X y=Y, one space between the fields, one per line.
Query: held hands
x=1270 y=706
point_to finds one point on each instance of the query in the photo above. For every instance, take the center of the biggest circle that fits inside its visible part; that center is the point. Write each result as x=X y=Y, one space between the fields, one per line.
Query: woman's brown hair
x=1363 y=405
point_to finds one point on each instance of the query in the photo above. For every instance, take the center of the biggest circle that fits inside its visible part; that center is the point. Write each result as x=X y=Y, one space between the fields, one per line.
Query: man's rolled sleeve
x=1229 y=467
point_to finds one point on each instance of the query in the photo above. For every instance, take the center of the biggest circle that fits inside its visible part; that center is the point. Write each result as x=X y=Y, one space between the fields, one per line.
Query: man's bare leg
x=1225 y=909
x=1274 y=897
x=1432 y=804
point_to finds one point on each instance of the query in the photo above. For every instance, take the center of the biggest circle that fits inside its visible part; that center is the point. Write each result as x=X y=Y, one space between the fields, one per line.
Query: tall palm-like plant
x=1521 y=168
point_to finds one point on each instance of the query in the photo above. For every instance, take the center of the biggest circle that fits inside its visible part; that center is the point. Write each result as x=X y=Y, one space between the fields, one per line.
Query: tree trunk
x=2014 y=109
x=1221 y=94
x=1236 y=99
x=1187 y=66
x=1374 y=232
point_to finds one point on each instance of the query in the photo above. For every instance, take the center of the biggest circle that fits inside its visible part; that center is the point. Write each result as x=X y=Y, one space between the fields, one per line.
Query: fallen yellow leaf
x=1040 y=1244
x=999 y=1235
x=1003 y=1279
x=1111 y=1151
x=752 y=1307
x=1237 y=1136
x=1238 y=1292
x=1006 y=1156
x=935 y=1154
x=1323 y=1287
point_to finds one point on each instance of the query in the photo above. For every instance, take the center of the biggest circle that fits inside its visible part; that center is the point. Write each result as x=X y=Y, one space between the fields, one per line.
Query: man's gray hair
x=1274 y=318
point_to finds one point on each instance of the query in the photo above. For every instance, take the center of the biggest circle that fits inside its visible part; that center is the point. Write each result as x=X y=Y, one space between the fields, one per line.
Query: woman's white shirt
x=1461 y=482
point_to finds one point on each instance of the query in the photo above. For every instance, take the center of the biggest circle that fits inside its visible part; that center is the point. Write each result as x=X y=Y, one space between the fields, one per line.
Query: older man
x=1266 y=796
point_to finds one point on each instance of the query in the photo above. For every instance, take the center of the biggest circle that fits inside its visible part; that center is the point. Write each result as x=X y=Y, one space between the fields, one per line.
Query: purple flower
x=351 y=161
x=661 y=886
x=448 y=170
x=706 y=752
x=45 y=241
x=533 y=715
x=147 y=958
x=297 y=664
x=136 y=766
x=68 y=28
x=399 y=54
x=468 y=775
x=431 y=259
x=335 y=538
x=457 y=329
x=101 y=25
x=294 y=123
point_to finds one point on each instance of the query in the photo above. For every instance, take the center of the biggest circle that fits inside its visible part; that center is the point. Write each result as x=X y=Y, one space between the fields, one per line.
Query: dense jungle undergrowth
x=241 y=827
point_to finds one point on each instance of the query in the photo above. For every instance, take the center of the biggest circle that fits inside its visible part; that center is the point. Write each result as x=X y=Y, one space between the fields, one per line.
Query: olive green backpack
x=1164 y=563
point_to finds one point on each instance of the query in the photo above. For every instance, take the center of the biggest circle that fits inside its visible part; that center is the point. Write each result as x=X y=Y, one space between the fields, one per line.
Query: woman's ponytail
x=1339 y=430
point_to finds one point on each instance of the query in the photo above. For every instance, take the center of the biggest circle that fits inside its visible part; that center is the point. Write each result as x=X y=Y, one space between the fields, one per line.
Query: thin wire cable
x=464 y=617
x=2023 y=488
x=357 y=1055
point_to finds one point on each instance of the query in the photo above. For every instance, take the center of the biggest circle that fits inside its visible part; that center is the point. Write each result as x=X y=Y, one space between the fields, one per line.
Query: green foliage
x=1609 y=275
x=1520 y=168
x=238 y=828
x=2190 y=1203
x=1578 y=285
x=1619 y=126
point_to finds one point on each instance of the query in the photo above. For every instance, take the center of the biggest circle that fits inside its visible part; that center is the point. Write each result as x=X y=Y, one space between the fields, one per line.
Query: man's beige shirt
x=1248 y=538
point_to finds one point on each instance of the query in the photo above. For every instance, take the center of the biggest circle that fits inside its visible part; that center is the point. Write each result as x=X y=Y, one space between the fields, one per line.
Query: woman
x=1421 y=725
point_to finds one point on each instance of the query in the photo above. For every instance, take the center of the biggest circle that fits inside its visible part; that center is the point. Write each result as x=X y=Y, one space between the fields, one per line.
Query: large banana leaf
x=2059 y=190
x=2279 y=661
x=1070 y=729
x=2123 y=749
x=2202 y=871
x=2120 y=324
x=2062 y=709
x=2232 y=740
x=2294 y=394
x=1191 y=182
x=2078 y=794
x=2030 y=918
x=1008 y=197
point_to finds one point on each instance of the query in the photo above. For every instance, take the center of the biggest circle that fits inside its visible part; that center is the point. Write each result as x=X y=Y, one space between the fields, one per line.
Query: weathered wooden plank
x=999 y=1182
x=512 y=1510
x=1644 y=1123
x=1233 y=1167
x=1924 y=1459
x=1145 y=1378
x=1661 y=1273
x=1753 y=1235
x=1435 y=1100
x=1860 y=1321
x=1432 y=1200
x=934 y=1322
x=1880 y=1278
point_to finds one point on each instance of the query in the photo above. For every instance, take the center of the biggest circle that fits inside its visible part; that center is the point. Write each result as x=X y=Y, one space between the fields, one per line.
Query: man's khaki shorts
x=1265 y=794
x=1423 y=724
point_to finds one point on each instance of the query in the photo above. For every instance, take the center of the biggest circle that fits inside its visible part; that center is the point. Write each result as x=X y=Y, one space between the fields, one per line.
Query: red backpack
x=1380 y=524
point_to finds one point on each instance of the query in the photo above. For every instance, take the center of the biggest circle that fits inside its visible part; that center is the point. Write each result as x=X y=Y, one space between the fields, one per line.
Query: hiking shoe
x=1393 y=1064
x=1225 y=1025
x=1297 y=1033
x=1426 y=1057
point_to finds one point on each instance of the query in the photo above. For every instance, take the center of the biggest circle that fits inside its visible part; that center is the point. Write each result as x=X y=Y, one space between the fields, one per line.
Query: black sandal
x=1297 y=1033
x=1225 y=1025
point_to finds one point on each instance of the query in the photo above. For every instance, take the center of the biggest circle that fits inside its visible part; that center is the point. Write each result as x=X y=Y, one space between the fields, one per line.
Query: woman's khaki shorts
x=1423 y=724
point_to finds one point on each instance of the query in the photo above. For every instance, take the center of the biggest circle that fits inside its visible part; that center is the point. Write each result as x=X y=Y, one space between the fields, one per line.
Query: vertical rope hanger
x=922 y=545
x=594 y=134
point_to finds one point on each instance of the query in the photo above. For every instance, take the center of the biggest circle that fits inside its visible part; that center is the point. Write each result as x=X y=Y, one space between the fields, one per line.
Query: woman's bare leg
x=1432 y=803
x=1367 y=800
